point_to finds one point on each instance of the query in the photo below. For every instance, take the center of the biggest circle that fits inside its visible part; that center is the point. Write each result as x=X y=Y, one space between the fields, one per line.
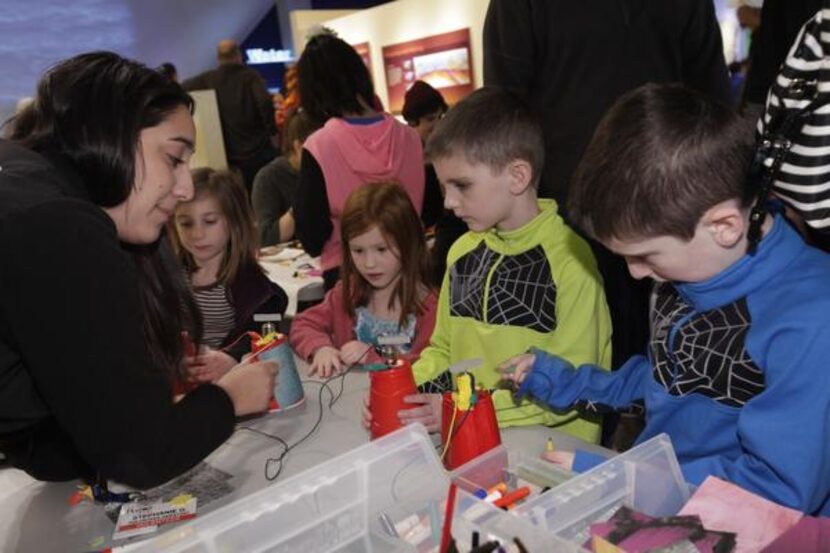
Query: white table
x=38 y=518
x=296 y=273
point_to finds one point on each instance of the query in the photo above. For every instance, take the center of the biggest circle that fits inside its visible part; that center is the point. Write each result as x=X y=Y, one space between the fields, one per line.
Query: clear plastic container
x=646 y=478
x=516 y=469
x=350 y=504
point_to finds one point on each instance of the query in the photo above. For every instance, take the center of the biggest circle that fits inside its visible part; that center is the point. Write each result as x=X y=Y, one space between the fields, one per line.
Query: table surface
x=37 y=516
x=297 y=273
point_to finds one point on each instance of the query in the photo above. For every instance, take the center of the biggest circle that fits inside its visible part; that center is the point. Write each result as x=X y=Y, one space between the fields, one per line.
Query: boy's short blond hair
x=491 y=126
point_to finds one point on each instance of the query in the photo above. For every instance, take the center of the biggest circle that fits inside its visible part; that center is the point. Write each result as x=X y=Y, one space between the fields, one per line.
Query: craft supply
x=448 y=514
x=273 y=346
x=466 y=434
x=488 y=496
x=389 y=387
x=403 y=526
x=512 y=497
x=387 y=525
x=487 y=547
x=493 y=497
x=500 y=487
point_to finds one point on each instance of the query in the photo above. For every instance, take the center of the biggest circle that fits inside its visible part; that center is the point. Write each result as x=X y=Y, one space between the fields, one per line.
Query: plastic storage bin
x=348 y=504
x=514 y=468
x=647 y=478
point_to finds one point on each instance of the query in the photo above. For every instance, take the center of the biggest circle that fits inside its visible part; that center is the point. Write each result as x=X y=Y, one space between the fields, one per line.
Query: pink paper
x=810 y=535
x=726 y=507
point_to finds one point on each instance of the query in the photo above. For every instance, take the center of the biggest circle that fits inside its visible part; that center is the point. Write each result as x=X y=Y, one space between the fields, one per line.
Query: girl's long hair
x=229 y=192
x=387 y=206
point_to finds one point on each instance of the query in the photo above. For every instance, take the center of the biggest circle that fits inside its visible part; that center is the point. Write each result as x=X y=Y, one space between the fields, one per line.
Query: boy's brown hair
x=298 y=126
x=491 y=126
x=387 y=206
x=660 y=158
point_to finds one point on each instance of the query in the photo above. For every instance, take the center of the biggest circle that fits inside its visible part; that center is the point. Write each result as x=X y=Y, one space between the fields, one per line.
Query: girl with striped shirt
x=217 y=243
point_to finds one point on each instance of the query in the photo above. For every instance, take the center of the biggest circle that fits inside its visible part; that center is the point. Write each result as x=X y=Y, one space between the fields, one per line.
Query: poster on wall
x=444 y=61
x=365 y=54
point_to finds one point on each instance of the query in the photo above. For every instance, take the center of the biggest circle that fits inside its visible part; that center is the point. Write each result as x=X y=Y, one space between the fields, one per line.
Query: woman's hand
x=209 y=366
x=326 y=362
x=250 y=386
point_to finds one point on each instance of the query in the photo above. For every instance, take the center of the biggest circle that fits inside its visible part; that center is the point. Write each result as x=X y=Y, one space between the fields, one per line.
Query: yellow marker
x=465 y=391
x=549 y=446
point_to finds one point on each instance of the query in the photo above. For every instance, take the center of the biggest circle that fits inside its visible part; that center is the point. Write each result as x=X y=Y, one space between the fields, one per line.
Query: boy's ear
x=520 y=174
x=726 y=223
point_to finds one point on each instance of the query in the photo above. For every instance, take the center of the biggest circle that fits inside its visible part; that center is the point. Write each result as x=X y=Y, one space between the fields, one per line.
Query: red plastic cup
x=386 y=392
x=473 y=433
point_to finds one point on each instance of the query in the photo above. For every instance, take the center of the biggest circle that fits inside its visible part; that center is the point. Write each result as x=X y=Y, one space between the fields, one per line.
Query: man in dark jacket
x=571 y=60
x=245 y=109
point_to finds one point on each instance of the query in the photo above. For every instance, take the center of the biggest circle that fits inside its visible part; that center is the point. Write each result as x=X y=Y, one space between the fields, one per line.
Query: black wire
x=556 y=424
x=451 y=433
x=342 y=387
x=324 y=385
x=266 y=434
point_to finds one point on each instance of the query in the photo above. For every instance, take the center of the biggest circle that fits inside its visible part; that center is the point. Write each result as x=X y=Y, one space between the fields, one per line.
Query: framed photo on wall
x=365 y=54
x=444 y=61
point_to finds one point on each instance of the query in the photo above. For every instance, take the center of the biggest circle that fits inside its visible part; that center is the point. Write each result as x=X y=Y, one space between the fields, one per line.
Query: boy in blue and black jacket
x=736 y=371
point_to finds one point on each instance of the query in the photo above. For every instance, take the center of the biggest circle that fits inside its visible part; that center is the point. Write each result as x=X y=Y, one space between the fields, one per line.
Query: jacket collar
x=778 y=249
x=546 y=221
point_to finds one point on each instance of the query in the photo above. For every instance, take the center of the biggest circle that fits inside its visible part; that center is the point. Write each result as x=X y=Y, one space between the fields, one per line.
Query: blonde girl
x=216 y=242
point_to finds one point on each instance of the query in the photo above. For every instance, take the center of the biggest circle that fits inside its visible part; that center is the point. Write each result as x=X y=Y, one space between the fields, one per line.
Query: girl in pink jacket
x=379 y=294
x=357 y=144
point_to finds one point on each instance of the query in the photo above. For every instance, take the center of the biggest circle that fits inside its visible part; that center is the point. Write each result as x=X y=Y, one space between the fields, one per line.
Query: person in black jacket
x=571 y=60
x=246 y=110
x=92 y=303
x=275 y=185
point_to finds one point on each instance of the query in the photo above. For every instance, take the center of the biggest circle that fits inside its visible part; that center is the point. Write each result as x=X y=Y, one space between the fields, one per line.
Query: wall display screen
x=365 y=54
x=444 y=61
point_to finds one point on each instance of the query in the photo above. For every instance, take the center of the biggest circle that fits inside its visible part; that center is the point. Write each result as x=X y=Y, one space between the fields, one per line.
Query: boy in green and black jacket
x=519 y=278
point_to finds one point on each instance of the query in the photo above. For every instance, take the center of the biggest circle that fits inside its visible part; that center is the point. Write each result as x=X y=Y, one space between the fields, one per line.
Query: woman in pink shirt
x=356 y=145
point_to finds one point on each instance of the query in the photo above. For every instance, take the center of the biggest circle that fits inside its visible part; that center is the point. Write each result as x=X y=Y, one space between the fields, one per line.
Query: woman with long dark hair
x=92 y=304
x=356 y=145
